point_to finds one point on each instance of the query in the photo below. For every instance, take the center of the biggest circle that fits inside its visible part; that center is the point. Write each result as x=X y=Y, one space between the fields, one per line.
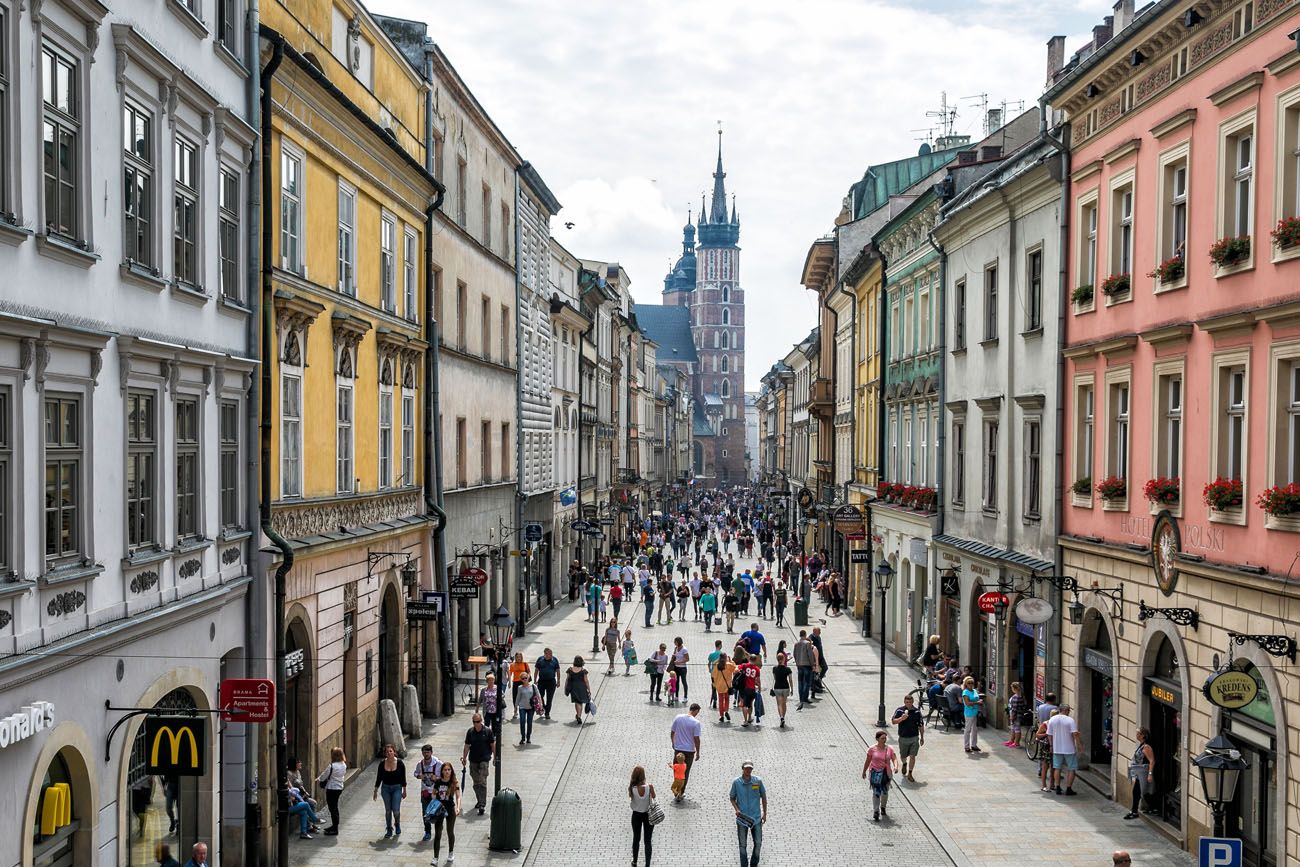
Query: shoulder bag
x=655 y=814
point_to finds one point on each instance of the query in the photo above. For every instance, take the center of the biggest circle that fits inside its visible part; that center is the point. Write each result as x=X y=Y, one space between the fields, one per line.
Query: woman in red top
x=882 y=764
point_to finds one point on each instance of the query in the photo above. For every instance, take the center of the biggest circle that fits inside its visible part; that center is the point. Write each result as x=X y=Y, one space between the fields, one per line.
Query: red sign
x=987 y=601
x=255 y=697
x=480 y=576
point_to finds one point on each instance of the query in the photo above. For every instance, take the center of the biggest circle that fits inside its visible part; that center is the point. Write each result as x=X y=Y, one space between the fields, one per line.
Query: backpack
x=738 y=681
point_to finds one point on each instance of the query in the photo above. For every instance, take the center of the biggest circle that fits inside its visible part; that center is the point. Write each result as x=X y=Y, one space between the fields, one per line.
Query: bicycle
x=467 y=694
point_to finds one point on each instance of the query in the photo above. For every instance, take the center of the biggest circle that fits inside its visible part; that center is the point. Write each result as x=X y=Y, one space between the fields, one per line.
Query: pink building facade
x=1182 y=367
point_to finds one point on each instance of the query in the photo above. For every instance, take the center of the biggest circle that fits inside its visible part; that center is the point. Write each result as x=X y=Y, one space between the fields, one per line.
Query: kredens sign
x=32 y=719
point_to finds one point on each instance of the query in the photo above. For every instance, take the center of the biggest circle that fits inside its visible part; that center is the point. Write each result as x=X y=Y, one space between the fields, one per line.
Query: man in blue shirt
x=749 y=800
x=747 y=592
x=754 y=641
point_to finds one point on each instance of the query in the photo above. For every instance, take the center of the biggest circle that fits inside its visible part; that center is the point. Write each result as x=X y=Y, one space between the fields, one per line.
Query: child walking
x=672 y=688
x=1016 y=711
x=679 y=776
x=629 y=653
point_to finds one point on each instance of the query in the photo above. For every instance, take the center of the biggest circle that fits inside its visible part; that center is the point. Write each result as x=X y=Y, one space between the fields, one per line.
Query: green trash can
x=801 y=612
x=507 y=821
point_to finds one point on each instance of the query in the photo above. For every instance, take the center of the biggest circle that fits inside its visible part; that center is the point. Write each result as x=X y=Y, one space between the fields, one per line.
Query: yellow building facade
x=348 y=198
x=863 y=278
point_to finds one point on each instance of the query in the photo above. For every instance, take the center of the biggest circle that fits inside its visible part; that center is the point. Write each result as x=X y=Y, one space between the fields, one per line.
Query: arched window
x=726 y=388
x=726 y=364
x=726 y=315
x=726 y=294
x=726 y=340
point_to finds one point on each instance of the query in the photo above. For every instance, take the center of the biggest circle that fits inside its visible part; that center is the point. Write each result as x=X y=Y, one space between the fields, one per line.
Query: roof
x=880 y=182
x=991 y=552
x=670 y=327
x=700 y=424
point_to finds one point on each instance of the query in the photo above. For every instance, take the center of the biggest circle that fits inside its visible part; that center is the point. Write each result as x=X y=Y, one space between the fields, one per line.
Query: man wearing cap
x=749 y=800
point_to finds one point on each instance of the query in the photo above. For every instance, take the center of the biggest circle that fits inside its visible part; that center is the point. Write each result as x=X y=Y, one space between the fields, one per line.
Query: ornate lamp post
x=1220 y=765
x=501 y=629
x=884 y=578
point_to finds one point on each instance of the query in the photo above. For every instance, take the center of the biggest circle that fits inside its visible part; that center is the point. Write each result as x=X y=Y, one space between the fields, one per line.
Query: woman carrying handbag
x=645 y=813
x=881 y=764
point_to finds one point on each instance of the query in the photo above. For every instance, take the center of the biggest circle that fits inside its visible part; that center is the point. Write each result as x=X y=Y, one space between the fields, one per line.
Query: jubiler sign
x=33 y=719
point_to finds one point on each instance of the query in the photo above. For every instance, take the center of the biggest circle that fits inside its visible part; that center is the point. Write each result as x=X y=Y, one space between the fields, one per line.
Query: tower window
x=726 y=317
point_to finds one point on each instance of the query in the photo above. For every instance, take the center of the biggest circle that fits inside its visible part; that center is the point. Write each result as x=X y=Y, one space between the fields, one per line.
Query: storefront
x=1253 y=814
x=1097 y=696
x=904 y=536
x=1022 y=658
x=1164 y=718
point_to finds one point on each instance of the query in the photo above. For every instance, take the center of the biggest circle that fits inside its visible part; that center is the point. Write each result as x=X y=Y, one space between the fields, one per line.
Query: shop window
x=56 y=822
x=162 y=810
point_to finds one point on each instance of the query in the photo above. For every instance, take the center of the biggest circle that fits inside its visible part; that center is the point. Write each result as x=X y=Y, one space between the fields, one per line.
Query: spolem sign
x=32 y=719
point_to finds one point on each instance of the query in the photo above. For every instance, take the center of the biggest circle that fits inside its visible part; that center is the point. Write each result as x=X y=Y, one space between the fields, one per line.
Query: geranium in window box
x=1227 y=252
x=1287 y=233
x=1082 y=294
x=926 y=499
x=1115 y=285
x=885 y=490
x=1162 y=491
x=1113 y=488
x=1223 y=494
x=1280 y=501
x=1083 y=486
x=1170 y=270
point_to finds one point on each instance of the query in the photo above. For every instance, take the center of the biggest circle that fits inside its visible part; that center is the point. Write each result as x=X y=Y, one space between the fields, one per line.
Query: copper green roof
x=880 y=182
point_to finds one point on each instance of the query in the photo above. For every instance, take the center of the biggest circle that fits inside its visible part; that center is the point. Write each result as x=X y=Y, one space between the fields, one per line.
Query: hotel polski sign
x=31 y=720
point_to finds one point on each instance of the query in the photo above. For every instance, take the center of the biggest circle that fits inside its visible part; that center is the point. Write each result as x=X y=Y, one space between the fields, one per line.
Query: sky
x=617 y=105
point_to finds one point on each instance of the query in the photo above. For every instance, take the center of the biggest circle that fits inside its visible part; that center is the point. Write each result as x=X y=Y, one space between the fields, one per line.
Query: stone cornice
x=1177 y=121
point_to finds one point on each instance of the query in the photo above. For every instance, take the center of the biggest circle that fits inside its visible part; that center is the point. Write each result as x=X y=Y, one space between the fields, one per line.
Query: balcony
x=821 y=398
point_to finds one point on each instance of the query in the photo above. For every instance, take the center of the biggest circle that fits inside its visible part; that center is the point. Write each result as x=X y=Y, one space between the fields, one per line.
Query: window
x=63 y=456
x=347 y=254
x=1085 y=420
x=1119 y=429
x=726 y=364
x=1122 y=229
x=185 y=231
x=1033 y=468
x=6 y=464
x=137 y=186
x=228 y=423
x=1288 y=152
x=6 y=145
x=924 y=340
x=187 y=469
x=487 y=216
x=1034 y=291
x=991 y=302
x=505 y=450
x=344 y=448
x=388 y=264
x=989 y=493
x=462 y=195
x=410 y=285
x=228 y=208
x=229 y=14
x=505 y=230
x=959 y=315
x=1087 y=269
x=385 y=437
x=141 y=479
x=726 y=294
x=506 y=353
x=485 y=325
x=290 y=435
x=908 y=467
x=462 y=312
x=485 y=451
x=61 y=140
x=958 y=462
x=726 y=389
x=1288 y=468
x=1239 y=200
x=1173 y=193
x=923 y=465
x=909 y=324
x=725 y=342
x=291 y=186
x=462 y=454
x=408 y=440
x=1232 y=421
x=726 y=316
x=1169 y=443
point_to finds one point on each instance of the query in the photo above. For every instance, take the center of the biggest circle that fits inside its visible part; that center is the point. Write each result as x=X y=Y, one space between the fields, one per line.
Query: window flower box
x=1287 y=234
x=1223 y=495
x=1170 y=270
x=1082 y=295
x=1161 y=491
x=1281 y=505
x=1083 y=486
x=1116 y=285
x=1227 y=252
x=1113 y=488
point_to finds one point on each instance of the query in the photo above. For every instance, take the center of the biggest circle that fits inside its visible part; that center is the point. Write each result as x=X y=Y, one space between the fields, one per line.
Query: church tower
x=717 y=307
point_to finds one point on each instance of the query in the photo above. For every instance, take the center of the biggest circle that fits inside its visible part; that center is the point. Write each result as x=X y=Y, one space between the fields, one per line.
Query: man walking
x=1063 y=732
x=804 y=658
x=754 y=641
x=685 y=737
x=911 y=734
x=547 y=669
x=749 y=800
x=822 y=665
x=478 y=751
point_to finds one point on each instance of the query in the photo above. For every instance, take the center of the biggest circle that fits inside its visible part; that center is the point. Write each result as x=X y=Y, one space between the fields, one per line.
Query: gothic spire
x=718 y=213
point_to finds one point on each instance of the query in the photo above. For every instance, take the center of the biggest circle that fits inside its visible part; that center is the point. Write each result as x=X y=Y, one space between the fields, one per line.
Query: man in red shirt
x=749 y=675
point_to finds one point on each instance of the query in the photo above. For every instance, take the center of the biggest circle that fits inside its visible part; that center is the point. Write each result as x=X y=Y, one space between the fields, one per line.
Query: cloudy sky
x=617 y=105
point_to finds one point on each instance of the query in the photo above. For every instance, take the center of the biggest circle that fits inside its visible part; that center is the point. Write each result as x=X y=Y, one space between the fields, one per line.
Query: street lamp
x=884 y=578
x=1220 y=765
x=501 y=629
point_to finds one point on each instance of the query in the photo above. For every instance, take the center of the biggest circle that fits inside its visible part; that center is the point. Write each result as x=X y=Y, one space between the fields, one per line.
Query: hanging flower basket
x=1170 y=270
x=1115 y=285
x=1223 y=494
x=1082 y=294
x=1287 y=233
x=1113 y=488
x=1083 y=486
x=1162 y=491
x=1227 y=252
x=1280 y=501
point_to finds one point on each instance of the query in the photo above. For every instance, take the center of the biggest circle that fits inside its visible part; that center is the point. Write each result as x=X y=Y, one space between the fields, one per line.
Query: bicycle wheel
x=1031 y=748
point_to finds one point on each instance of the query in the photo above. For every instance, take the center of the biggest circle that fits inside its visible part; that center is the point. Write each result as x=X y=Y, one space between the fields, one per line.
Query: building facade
x=569 y=326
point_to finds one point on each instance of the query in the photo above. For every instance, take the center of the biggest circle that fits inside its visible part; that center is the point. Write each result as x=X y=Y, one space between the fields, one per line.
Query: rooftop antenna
x=983 y=100
x=946 y=114
x=928 y=136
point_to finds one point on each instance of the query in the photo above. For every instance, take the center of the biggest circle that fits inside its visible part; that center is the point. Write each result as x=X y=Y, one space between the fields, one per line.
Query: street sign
x=988 y=601
x=422 y=610
x=254 y=696
x=437 y=597
x=1220 y=852
x=533 y=532
x=859 y=555
x=477 y=575
x=176 y=746
x=464 y=587
x=607 y=522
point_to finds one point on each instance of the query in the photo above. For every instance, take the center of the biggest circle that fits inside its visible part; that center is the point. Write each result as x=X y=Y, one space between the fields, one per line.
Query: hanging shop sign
x=422 y=610
x=848 y=519
x=950 y=584
x=463 y=587
x=805 y=498
x=860 y=555
x=1034 y=610
x=247 y=700
x=477 y=575
x=176 y=746
x=30 y=720
x=1230 y=689
x=989 y=601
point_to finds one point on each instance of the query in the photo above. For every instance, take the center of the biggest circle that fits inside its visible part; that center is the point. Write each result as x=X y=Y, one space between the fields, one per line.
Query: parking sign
x=1220 y=852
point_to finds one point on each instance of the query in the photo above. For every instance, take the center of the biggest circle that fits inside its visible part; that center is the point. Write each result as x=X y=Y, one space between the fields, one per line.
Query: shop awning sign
x=1230 y=689
x=176 y=746
x=30 y=720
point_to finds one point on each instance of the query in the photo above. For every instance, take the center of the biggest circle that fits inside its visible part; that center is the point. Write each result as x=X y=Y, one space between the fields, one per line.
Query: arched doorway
x=60 y=832
x=165 y=810
x=1253 y=815
x=390 y=647
x=300 y=704
x=1096 y=691
x=1163 y=689
x=981 y=644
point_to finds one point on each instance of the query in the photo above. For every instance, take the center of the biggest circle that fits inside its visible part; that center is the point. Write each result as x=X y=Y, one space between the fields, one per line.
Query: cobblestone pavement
x=985 y=810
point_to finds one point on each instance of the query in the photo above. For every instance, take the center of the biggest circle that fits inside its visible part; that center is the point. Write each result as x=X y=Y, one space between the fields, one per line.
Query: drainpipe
x=941 y=439
x=264 y=433
x=433 y=501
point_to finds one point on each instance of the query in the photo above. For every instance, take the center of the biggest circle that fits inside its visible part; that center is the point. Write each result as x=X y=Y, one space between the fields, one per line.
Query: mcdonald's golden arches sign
x=176 y=745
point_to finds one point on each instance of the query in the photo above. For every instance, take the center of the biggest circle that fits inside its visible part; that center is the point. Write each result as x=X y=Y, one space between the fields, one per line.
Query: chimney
x=1055 y=56
x=1102 y=32
x=994 y=121
x=1123 y=14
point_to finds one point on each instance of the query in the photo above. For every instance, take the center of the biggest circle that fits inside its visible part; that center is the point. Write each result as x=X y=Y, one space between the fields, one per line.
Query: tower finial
x=718 y=210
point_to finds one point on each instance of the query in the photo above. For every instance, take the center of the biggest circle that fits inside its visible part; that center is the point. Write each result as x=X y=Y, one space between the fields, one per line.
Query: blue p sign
x=1220 y=852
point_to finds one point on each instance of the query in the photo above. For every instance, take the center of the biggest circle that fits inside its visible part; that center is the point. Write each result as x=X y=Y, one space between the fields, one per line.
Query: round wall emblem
x=1166 y=545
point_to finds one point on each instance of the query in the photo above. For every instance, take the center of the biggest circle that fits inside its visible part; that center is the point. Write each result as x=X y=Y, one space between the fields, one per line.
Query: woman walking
x=723 y=671
x=518 y=668
x=332 y=779
x=680 y=658
x=446 y=793
x=657 y=664
x=391 y=782
x=611 y=642
x=527 y=700
x=642 y=794
x=781 y=684
x=881 y=764
x=1141 y=772
x=578 y=688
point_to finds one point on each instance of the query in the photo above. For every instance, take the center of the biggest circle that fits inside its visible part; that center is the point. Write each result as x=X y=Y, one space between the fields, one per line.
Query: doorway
x=1252 y=813
x=163 y=809
x=350 y=674
x=1164 y=698
x=390 y=649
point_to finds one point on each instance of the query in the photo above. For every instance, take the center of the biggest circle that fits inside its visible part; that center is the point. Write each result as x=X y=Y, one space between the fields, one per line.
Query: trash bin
x=507 y=821
x=801 y=612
